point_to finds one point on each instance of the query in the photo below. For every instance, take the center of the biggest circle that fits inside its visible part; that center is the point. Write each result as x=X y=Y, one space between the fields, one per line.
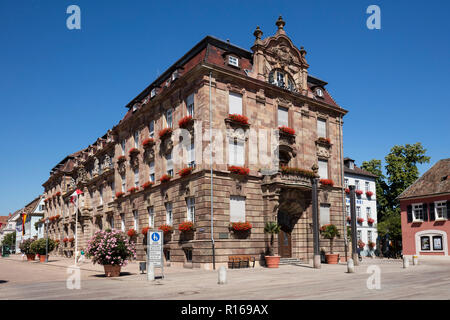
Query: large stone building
x=120 y=174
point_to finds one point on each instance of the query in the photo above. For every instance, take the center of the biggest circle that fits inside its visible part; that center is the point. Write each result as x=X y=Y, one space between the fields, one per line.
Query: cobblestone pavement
x=33 y=280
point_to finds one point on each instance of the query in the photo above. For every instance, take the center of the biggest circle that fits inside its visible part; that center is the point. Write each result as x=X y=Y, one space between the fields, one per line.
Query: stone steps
x=292 y=261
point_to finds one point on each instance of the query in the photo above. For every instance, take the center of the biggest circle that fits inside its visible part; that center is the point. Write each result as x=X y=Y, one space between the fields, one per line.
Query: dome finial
x=280 y=24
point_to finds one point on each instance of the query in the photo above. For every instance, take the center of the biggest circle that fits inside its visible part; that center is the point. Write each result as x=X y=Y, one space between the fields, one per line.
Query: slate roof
x=433 y=182
x=359 y=171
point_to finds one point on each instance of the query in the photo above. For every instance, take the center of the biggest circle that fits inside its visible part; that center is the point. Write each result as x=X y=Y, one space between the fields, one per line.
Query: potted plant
x=39 y=247
x=186 y=226
x=371 y=245
x=347 y=190
x=185 y=122
x=287 y=130
x=133 y=189
x=330 y=231
x=165 y=228
x=133 y=151
x=360 y=220
x=370 y=221
x=185 y=171
x=132 y=233
x=361 y=244
x=243 y=171
x=119 y=194
x=71 y=240
x=238 y=118
x=147 y=184
x=272 y=261
x=326 y=182
x=359 y=192
x=112 y=249
x=165 y=178
x=25 y=247
x=148 y=142
x=144 y=230
x=369 y=194
x=165 y=132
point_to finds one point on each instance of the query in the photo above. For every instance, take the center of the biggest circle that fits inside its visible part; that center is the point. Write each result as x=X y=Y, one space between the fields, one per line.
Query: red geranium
x=165 y=228
x=131 y=233
x=238 y=118
x=119 y=194
x=327 y=182
x=185 y=171
x=360 y=220
x=369 y=194
x=148 y=142
x=165 y=178
x=121 y=158
x=371 y=244
x=186 y=226
x=361 y=244
x=347 y=190
x=71 y=239
x=57 y=217
x=165 y=131
x=145 y=230
x=146 y=185
x=324 y=140
x=241 y=226
x=239 y=170
x=184 y=122
x=287 y=130
x=133 y=150
x=65 y=240
x=359 y=192
x=370 y=220
x=133 y=189
x=58 y=194
x=349 y=218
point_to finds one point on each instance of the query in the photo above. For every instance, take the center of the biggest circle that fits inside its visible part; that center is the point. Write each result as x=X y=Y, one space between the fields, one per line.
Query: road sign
x=155 y=258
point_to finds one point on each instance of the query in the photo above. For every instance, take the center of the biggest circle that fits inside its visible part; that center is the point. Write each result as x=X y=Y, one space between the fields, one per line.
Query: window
x=191 y=155
x=122 y=144
x=283 y=119
x=237 y=209
x=169 y=164
x=236 y=152
x=122 y=177
x=358 y=235
x=282 y=79
x=153 y=93
x=151 y=129
x=324 y=214
x=417 y=212
x=358 y=212
x=190 y=202
x=190 y=105
x=235 y=103
x=368 y=212
x=136 y=177
x=346 y=183
x=135 y=220
x=169 y=217
x=440 y=210
x=369 y=235
x=437 y=243
x=169 y=118
x=122 y=222
x=319 y=92
x=367 y=186
x=321 y=128
x=425 y=243
x=151 y=217
x=357 y=185
x=136 y=139
x=233 y=61
x=188 y=254
x=100 y=192
x=152 y=171
x=323 y=169
x=111 y=221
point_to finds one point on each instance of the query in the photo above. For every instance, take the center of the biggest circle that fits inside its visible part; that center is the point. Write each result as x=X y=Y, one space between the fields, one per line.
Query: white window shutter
x=235 y=103
x=240 y=154
x=324 y=215
x=321 y=128
x=237 y=209
x=323 y=169
x=283 y=119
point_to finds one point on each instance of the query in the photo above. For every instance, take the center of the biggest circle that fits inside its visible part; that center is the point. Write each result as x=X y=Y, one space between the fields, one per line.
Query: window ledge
x=440 y=219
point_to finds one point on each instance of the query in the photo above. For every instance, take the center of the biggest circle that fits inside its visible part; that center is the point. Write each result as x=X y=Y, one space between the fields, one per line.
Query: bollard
x=415 y=260
x=222 y=275
x=350 y=266
x=405 y=262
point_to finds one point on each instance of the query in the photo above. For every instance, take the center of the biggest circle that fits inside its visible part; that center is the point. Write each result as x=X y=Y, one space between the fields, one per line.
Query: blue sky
x=60 y=89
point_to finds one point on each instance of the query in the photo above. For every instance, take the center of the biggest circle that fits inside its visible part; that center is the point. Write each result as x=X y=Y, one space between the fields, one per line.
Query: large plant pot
x=111 y=270
x=332 y=258
x=31 y=256
x=42 y=258
x=272 y=261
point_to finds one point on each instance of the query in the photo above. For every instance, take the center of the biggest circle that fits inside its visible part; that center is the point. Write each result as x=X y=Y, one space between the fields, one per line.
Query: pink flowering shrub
x=111 y=248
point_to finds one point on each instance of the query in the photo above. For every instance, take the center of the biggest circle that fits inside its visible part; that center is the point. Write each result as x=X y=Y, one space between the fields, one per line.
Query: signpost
x=154 y=253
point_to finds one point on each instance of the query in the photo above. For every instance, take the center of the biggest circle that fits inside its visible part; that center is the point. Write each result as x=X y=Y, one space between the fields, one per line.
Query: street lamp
x=46 y=240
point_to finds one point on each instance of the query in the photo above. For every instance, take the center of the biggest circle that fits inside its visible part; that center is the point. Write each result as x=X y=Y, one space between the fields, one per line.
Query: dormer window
x=135 y=106
x=175 y=75
x=233 y=61
x=282 y=80
x=153 y=93
x=319 y=92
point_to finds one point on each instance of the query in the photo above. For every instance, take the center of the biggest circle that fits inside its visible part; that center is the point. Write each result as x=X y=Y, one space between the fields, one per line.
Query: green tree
x=382 y=188
x=9 y=239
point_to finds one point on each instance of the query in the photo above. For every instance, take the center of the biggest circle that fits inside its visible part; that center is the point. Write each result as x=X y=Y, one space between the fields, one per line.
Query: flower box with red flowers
x=52 y=218
x=358 y=192
x=165 y=228
x=361 y=244
x=119 y=194
x=323 y=140
x=148 y=142
x=165 y=132
x=185 y=171
x=360 y=220
x=370 y=220
x=297 y=171
x=147 y=185
x=57 y=217
x=65 y=240
x=241 y=226
x=133 y=189
x=243 y=171
x=71 y=240
x=287 y=130
x=58 y=194
x=145 y=230
x=165 y=178
x=326 y=182
x=371 y=244
x=121 y=158
x=131 y=233
x=369 y=194
x=185 y=122
x=347 y=190
x=238 y=118
x=133 y=151
x=186 y=226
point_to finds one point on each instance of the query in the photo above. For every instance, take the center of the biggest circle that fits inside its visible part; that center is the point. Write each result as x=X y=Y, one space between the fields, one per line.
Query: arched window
x=282 y=79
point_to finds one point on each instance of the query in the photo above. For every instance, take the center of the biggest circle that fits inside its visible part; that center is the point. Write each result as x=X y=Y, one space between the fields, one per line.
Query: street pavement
x=430 y=279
